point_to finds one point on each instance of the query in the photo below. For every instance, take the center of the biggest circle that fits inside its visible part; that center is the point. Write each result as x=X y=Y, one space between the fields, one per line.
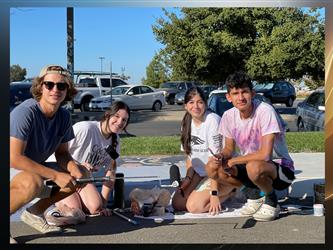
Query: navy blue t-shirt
x=42 y=135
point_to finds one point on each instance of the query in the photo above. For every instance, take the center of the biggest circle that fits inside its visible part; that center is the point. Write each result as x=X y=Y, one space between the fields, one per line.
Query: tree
x=207 y=44
x=17 y=73
x=291 y=48
x=157 y=71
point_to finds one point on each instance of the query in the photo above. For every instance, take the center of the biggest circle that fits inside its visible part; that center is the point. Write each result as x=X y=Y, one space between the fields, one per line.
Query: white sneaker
x=12 y=240
x=267 y=213
x=252 y=206
x=38 y=223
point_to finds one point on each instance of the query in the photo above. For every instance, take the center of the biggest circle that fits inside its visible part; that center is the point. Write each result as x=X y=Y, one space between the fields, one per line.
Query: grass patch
x=305 y=142
x=170 y=145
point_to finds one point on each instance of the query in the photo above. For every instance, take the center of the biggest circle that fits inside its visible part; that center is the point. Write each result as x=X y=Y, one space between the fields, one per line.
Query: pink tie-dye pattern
x=247 y=133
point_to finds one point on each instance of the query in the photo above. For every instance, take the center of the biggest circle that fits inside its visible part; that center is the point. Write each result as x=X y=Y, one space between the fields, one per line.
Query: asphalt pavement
x=294 y=226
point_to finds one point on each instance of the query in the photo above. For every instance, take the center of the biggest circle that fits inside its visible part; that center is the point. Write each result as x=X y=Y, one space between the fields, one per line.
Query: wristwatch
x=213 y=192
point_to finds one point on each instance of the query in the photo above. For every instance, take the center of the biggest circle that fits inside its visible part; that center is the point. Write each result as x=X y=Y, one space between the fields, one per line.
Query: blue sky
x=121 y=35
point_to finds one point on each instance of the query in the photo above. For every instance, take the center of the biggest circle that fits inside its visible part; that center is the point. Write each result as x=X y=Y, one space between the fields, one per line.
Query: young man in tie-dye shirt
x=263 y=163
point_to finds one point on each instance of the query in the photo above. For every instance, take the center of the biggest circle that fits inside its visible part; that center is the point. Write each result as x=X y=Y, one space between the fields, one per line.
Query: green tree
x=207 y=44
x=157 y=71
x=17 y=73
x=290 y=45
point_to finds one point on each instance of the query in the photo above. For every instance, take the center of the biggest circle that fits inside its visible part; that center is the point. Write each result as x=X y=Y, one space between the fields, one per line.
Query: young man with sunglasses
x=264 y=163
x=40 y=127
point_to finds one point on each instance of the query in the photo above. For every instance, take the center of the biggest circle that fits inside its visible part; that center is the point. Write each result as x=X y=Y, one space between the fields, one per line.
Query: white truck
x=93 y=84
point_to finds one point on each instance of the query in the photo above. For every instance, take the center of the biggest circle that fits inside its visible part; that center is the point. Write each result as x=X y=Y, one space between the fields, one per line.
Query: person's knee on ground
x=195 y=207
x=27 y=186
x=94 y=206
x=72 y=201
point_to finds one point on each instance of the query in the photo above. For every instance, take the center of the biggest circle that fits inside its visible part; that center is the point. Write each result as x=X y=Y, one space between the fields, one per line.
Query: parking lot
x=167 y=121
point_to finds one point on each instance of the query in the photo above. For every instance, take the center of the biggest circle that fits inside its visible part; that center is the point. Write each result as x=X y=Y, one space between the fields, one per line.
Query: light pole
x=101 y=58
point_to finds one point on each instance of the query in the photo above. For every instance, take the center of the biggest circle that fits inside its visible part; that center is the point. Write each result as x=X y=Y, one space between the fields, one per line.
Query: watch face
x=213 y=192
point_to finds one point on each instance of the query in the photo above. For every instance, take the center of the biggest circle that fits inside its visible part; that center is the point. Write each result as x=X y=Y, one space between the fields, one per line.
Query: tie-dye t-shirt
x=247 y=133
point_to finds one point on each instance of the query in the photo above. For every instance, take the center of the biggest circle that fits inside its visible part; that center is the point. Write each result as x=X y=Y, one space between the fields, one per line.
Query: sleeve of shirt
x=224 y=128
x=69 y=133
x=80 y=135
x=268 y=121
x=214 y=137
x=21 y=120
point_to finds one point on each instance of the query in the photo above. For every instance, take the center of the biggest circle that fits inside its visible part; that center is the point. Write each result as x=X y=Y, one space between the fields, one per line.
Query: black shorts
x=285 y=176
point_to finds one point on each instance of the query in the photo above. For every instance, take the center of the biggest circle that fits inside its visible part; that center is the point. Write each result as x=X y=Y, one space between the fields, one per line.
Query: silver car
x=311 y=112
x=135 y=96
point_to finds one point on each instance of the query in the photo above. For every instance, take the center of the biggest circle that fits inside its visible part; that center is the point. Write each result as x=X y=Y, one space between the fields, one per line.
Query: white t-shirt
x=203 y=137
x=247 y=133
x=87 y=135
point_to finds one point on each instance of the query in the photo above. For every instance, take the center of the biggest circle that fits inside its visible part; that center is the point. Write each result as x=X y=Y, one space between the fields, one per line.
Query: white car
x=135 y=96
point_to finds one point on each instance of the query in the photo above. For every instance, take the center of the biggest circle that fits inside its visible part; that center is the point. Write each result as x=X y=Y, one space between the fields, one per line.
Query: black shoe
x=174 y=176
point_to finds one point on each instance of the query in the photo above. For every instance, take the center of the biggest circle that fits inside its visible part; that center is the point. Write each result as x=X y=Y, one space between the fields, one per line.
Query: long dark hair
x=185 y=137
x=114 y=108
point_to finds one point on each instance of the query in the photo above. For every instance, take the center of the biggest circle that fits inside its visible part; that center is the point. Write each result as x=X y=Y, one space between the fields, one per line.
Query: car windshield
x=171 y=85
x=119 y=90
x=259 y=86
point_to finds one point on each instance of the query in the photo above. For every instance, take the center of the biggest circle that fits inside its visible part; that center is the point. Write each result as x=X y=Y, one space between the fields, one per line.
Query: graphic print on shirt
x=195 y=140
x=218 y=140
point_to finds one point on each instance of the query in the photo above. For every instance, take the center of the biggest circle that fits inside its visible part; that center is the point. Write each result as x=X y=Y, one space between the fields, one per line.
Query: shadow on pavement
x=99 y=226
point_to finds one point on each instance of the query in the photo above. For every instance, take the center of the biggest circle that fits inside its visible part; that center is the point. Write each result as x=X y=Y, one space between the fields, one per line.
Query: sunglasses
x=60 y=85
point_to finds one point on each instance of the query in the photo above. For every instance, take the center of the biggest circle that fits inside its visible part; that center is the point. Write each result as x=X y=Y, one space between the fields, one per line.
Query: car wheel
x=300 y=125
x=290 y=102
x=157 y=106
x=171 y=100
x=85 y=105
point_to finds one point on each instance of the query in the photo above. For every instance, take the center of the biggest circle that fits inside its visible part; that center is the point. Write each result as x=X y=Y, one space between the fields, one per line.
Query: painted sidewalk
x=292 y=226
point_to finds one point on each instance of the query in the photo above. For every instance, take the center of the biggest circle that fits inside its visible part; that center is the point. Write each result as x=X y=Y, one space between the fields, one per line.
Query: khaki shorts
x=46 y=191
x=204 y=184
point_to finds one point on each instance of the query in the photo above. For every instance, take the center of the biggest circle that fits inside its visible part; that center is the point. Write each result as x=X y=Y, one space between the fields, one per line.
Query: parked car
x=20 y=91
x=135 y=96
x=218 y=103
x=179 y=98
x=277 y=92
x=311 y=112
x=93 y=84
x=207 y=89
x=170 y=89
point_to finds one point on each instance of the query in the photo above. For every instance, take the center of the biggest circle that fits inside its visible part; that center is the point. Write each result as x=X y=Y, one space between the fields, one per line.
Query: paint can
x=318 y=209
x=319 y=193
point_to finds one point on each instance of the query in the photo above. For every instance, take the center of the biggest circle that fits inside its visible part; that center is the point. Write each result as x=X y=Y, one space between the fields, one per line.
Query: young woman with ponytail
x=199 y=140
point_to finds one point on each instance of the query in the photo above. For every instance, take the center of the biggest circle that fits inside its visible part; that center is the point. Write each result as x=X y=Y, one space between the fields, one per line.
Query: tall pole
x=70 y=40
x=101 y=58
x=111 y=81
